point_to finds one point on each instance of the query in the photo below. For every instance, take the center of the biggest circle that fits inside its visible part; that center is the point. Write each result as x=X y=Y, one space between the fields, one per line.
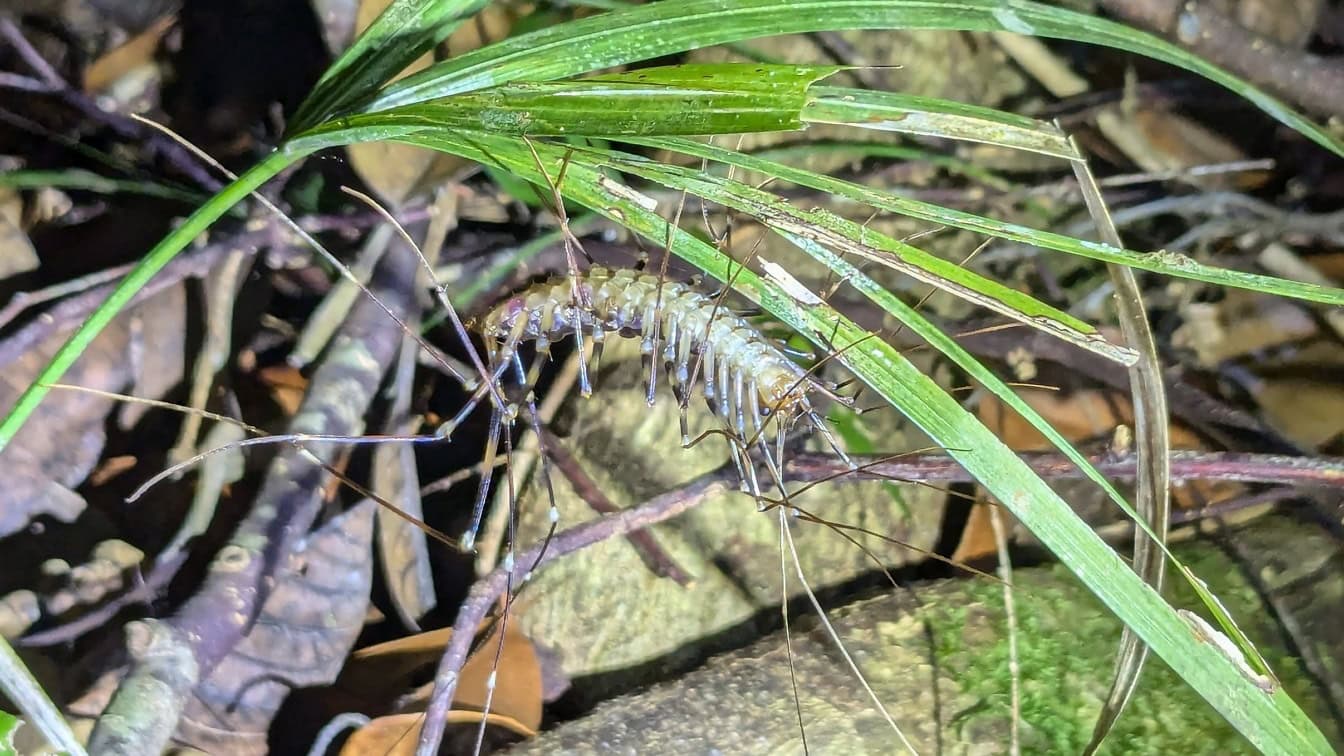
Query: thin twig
x=120 y=124
x=488 y=589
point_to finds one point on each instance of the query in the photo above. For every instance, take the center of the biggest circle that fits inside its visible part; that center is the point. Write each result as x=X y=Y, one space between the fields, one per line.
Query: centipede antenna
x=840 y=645
x=788 y=637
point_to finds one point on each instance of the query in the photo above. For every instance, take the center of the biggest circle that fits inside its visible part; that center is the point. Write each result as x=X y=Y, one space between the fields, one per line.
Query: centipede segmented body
x=748 y=382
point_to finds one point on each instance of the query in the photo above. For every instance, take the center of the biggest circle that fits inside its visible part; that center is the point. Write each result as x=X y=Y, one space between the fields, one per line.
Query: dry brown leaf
x=1241 y=323
x=287 y=386
x=1289 y=22
x=378 y=674
x=157 y=350
x=1081 y=416
x=518 y=689
x=301 y=639
x=134 y=53
x=1078 y=415
x=61 y=443
x=17 y=254
x=392 y=170
x=1168 y=141
x=1308 y=411
x=402 y=547
x=397 y=734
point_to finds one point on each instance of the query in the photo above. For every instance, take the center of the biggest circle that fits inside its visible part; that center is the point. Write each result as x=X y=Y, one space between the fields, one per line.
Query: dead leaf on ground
x=392 y=170
x=124 y=59
x=1081 y=416
x=61 y=443
x=1239 y=324
x=287 y=385
x=301 y=639
x=398 y=734
x=379 y=674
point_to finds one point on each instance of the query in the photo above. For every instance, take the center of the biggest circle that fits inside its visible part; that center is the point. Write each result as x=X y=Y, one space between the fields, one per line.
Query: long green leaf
x=404 y=31
x=1167 y=263
x=832 y=230
x=656 y=29
x=1265 y=714
x=931 y=116
x=719 y=98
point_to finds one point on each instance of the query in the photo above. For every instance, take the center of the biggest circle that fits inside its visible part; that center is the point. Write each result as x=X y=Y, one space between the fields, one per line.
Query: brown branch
x=488 y=589
x=1310 y=81
x=154 y=140
x=1185 y=465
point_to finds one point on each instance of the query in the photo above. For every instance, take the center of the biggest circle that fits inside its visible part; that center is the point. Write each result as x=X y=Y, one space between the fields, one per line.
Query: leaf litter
x=235 y=663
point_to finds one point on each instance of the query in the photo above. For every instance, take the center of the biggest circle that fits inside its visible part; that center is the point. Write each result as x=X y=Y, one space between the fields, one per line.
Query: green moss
x=1066 y=649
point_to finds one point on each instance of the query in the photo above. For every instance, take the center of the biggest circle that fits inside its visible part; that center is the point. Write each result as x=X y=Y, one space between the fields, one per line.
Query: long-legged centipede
x=748 y=382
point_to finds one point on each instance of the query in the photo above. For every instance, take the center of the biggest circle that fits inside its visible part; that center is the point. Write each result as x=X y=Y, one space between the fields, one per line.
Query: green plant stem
x=19 y=685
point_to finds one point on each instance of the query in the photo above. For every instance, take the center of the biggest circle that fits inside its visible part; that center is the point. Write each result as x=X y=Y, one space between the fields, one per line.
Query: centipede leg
x=500 y=361
x=685 y=381
x=735 y=419
x=534 y=419
x=775 y=463
x=487 y=474
x=648 y=347
x=820 y=424
x=599 y=338
x=585 y=386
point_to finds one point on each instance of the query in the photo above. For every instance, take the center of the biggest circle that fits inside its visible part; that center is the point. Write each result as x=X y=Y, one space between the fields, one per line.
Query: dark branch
x=1309 y=81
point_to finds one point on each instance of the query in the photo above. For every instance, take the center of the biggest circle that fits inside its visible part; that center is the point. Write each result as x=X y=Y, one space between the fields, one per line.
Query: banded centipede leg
x=819 y=423
x=774 y=463
x=534 y=419
x=487 y=474
x=501 y=364
x=648 y=347
x=599 y=338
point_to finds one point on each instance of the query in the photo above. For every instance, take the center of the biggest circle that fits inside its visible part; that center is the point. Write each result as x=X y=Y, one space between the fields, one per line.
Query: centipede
x=748 y=382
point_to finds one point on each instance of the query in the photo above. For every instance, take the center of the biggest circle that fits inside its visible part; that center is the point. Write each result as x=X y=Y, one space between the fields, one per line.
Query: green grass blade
x=854 y=238
x=19 y=686
x=931 y=116
x=88 y=181
x=1266 y=715
x=158 y=257
x=1166 y=263
x=656 y=29
x=404 y=31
